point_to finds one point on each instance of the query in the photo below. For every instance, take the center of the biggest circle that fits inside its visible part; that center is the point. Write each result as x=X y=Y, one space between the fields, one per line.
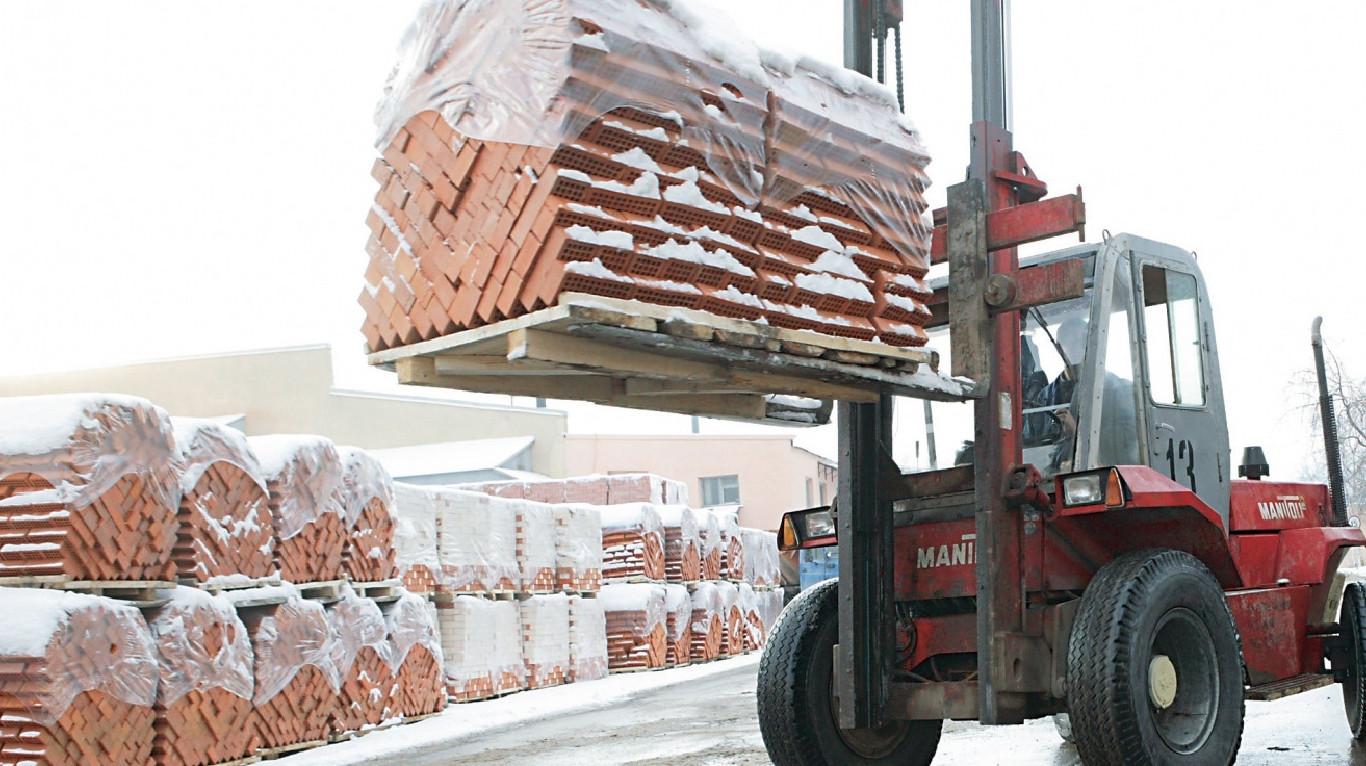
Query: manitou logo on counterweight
x=1284 y=507
x=957 y=554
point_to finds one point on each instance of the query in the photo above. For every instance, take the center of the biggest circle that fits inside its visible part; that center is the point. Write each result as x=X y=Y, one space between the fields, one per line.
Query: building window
x=809 y=493
x=720 y=490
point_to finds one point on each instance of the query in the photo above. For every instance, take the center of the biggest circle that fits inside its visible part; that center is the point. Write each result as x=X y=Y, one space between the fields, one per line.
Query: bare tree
x=1349 y=403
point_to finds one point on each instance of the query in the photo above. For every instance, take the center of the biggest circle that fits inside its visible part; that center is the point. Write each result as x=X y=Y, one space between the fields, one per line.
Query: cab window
x=1171 y=318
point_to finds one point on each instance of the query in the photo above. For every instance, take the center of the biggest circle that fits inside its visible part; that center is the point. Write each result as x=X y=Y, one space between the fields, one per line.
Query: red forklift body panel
x=1268 y=506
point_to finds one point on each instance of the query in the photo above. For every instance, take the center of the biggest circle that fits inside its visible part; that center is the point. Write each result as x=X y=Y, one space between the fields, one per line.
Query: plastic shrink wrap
x=87 y=488
x=476 y=541
x=800 y=181
x=203 y=707
x=760 y=557
x=415 y=656
x=637 y=625
x=296 y=679
x=362 y=656
x=415 y=558
x=710 y=527
x=707 y=629
x=632 y=542
x=224 y=524
x=678 y=623
x=368 y=511
x=682 y=543
x=467 y=644
x=771 y=608
x=755 y=628
x=732 y=544
x=79 y=682
x=732 y=619
x=645 y=488
x=304 y=475
x=509 y=671
x=587 y=639
x=545 y=639
x=536 y=555
x=578 y=548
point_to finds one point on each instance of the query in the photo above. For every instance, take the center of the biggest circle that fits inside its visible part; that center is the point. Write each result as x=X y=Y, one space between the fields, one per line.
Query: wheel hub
x=1162 y=682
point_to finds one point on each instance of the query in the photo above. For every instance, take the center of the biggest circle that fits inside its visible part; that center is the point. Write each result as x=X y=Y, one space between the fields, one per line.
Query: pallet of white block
x=631 y=354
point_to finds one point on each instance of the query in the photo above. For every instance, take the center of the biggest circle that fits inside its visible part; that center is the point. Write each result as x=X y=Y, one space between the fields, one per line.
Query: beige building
x=290 y=390
x=764 y=474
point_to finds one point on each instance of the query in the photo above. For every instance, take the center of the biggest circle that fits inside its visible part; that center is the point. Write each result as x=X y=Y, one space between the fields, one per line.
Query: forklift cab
x=1126 y=374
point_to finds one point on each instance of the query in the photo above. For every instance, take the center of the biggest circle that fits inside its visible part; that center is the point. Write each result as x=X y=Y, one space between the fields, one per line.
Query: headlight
x=820 y=524
x=1086 y=489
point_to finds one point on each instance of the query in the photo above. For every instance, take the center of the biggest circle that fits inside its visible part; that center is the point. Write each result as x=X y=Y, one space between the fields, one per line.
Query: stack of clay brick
x=677 y=625
x=225 y=527
x=627 y=160
x=368 y=517
x=637 y=625
x=578 y=548
x=732 y=618
x=732 y=545
x=545 y=639
x=597 y=489
x=587 y=639
x=304 y=475
x=632 y=543
x=87 y=488
x=415 y=656
x=707 y=629
x=78 y=680
x=682 y=543
x=417 y=562
x=761 y=567
x=361 y=653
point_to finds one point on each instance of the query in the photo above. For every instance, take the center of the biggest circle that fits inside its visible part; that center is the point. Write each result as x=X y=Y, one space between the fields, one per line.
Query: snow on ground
x=465 y=720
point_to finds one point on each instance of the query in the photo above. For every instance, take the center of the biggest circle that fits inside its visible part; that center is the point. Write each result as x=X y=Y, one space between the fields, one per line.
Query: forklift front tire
x=798 y=716
x=1354 y=653
x=1155 y=669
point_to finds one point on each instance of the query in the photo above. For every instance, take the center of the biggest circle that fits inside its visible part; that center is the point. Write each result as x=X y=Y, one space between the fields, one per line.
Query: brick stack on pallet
x=636 y=626
x=710 y=528
x=762 y=569
x=732 y=620
x=632 y=543
x=754 y=631
x=416 y=562
x=415 y=656
x=368 y=513
x=225 y=529
x=466 y=631
x=114 y=516
x=732 y=545
x=638 y=165
x=682 y=543
x=545 y=639
x=536 y=557
x=509 y=669
x=78 y=681
x=204 y=712
x=361 y=654
x=587 y=639
x=770 y=609
x=596 y=489
x=678 y=623
x=477 y=543
x=295 y=674
x=707 y=629
x=304 y=475
x=578 y=548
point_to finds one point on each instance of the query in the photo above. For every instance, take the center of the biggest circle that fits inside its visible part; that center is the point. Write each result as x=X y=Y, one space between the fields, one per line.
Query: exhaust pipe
x=1330 y=431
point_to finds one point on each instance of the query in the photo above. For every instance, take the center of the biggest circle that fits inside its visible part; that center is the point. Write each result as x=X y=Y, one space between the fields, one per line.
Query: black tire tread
x=1354 y=608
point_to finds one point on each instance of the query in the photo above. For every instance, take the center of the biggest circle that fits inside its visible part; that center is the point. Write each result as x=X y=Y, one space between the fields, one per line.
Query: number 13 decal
x=1183 y=450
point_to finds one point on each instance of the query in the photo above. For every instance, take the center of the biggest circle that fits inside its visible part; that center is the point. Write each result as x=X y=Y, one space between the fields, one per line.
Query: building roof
x=452 y=457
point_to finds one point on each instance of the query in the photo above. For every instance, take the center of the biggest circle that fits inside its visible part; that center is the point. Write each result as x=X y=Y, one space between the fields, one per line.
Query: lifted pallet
x=644 y=356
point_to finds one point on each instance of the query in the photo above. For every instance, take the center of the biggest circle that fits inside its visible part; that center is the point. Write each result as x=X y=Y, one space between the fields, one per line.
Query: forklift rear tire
x=798 y=716
x=1155 y=666
x=1354 y=648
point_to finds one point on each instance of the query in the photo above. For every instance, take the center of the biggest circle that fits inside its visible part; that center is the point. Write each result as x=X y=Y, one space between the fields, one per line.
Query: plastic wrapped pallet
x=416 y=561
x=476 y=541
x=304 y=475
x=578 y=548
x=79 y=680
x=770 y=609
x=467 y=633
x=707 y=629
x=645 y=488
x=632 y=542
x=710 y=528
x=637 y=625
x=368 y=510
x=536 y=555
x=361 y=654
x=760 y=557
x=755 y=631
x=224 y=528
x=732 y=544
x=678 y=623
x=587 y=639
x=415 y=655
x=616 y=148
x=203 y=707
x=732 y=619
x=296 y=681
x=682 y=543
x=545 y=639
x=509 y=670
x=88 y=488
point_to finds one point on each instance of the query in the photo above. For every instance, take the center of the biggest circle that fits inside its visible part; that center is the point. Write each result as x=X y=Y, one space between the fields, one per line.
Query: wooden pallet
x=271 y=753
x=326 y=591
x=140 y=593
x=644 y=356
x=383 y=591
x=217 y=588
x=1285 y=688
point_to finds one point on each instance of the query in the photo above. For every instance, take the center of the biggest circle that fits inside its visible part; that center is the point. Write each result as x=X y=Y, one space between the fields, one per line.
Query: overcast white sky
x=192 y=177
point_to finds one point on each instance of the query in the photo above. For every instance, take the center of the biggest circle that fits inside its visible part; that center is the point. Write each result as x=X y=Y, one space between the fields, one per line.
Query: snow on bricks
x=87 y=488
x=708 y=629
x=637 y=626
x=587 y=639
x=204 y=712
x=363 y=657
x=732 y=619
x=78 y=681
x=368 y=510
x=224 y=519
x=416 y=560
x=732 y=545
x=709 y=525
x=634 y=158
x=677 y=624
x=682 y=543
x=415 y=655
x=304 y=475
x=476 y=542
x=578 y=548
x=632 y=543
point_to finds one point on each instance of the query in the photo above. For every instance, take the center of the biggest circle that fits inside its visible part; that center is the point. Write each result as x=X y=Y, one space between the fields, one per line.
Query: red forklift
x=1089 y=551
